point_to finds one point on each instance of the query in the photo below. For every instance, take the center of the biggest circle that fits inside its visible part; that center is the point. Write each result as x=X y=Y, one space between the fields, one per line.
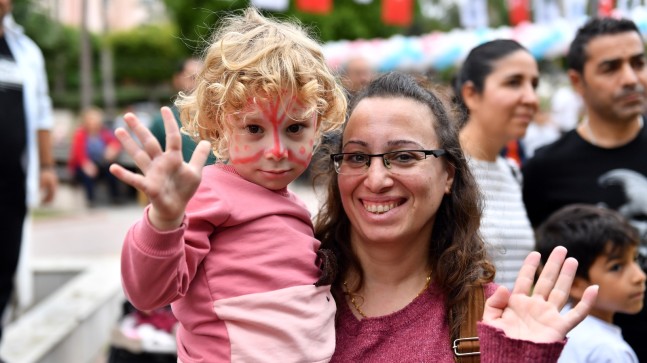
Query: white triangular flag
x=273 y=5
x=575 y=10
x=473 y=13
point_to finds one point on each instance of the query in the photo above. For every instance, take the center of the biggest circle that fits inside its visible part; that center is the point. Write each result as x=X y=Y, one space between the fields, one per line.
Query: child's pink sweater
x=238 y=273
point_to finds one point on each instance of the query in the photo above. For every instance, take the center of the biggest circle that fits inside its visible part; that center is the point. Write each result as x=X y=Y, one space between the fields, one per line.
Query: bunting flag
x=545 y=11
x=473 y=14
x=625 y=7
x=315 y=6
x=605 y=7
x=272 y=5
x=397 y=12
x=574 y=10
x=519 y=11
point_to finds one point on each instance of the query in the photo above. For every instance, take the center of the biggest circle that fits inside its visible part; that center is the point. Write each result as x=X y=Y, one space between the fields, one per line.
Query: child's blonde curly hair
x=251 y=55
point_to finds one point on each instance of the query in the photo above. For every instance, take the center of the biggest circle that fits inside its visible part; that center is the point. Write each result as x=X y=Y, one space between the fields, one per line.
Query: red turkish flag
x=397 y=12
x=605 y=7
x=315 y=6
x=519 y=11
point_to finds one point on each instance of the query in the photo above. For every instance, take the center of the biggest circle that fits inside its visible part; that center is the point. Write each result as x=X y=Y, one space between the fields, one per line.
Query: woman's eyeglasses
x=398 y=162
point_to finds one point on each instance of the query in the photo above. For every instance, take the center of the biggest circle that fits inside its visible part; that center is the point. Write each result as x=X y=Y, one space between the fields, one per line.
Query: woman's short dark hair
x=594 y=28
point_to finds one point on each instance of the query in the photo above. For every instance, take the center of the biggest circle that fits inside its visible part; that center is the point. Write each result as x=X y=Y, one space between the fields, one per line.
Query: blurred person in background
x=356 y=74
x=602 y=161
x=183 y=82
x=496 y=89
x=25 y=141
x=94 y=147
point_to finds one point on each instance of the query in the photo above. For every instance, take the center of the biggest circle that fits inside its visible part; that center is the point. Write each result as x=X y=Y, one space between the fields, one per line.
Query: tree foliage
x=196 y=20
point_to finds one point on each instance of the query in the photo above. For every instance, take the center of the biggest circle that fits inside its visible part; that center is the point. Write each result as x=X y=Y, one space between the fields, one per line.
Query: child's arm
x=168 y=182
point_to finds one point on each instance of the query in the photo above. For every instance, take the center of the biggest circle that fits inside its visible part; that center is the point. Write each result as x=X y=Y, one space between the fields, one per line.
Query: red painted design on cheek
x=246 y=147
x=236 y=149
x=301 y=161
x=302 y=150
x=246 y=160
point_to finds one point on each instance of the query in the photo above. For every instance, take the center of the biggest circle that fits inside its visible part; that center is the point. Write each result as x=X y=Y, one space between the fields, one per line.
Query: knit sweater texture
x=419 y=333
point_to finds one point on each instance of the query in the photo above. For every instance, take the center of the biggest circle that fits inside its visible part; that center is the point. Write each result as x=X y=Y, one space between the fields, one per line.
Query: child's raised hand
x=167 y=180
x=533 y=313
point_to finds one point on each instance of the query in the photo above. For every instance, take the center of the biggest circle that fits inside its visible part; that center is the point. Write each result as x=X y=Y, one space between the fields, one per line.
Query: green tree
x=196 y=19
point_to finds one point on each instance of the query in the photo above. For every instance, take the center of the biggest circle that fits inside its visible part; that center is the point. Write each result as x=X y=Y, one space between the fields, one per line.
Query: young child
x=232 y=249
x=606 y=247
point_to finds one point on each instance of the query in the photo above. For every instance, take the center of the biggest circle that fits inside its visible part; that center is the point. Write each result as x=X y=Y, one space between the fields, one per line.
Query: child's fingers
x=526 y=276
x=200 y=155
x=141 y=158
x=133 y=179
x=145 y=137
x=173 y=136
x=550 y=272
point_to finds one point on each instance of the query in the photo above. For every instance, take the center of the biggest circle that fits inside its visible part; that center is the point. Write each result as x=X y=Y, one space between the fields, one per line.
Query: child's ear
x=577 y=289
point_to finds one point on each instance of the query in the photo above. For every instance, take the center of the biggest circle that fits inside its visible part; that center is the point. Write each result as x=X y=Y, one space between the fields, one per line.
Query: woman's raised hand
x=533 y=314
x=167 y=180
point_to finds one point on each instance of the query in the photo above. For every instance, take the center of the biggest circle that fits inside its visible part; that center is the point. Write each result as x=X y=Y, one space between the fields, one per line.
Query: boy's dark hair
x=587 y=231
x=594 y=28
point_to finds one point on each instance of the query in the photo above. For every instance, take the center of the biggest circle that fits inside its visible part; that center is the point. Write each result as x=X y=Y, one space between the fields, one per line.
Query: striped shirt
x=505 y=226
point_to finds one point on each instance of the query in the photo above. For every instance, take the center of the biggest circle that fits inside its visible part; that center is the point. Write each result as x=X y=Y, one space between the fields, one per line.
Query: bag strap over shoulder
x=467 y=347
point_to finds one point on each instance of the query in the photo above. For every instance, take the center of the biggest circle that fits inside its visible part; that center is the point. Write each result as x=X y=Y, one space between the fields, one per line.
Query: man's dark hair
x=593 y=28
x=587 y=231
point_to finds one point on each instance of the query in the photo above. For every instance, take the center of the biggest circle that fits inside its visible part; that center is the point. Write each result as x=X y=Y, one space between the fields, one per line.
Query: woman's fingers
x=559 y=294
x=582 y=309
x=495 y=304
x=550 y=272
x=526 y=277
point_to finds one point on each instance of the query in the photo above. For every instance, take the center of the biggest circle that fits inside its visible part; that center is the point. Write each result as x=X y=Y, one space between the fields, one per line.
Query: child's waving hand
x=167 y=181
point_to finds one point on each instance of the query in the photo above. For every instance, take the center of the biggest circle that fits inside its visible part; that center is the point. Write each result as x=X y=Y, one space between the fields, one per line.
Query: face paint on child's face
x=272 y=141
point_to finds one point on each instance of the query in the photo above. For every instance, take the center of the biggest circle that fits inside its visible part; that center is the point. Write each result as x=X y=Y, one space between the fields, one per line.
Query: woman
x=496 y=89
x=403 y=226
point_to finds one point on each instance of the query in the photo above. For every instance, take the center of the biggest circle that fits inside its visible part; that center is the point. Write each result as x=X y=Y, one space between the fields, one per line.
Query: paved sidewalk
x=70 y=230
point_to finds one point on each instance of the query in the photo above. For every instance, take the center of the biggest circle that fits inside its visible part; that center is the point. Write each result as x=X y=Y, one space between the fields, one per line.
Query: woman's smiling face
x=383 y=206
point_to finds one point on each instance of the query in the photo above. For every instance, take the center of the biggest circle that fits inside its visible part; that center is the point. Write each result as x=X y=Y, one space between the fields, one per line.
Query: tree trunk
x=87 y=91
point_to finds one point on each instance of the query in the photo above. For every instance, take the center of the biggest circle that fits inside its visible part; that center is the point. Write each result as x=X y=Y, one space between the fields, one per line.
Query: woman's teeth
x=379 y=208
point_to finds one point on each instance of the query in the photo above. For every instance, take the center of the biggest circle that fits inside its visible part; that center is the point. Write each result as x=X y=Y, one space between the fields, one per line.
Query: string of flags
x=473 y=13
x=546 y=31
x=442 y=50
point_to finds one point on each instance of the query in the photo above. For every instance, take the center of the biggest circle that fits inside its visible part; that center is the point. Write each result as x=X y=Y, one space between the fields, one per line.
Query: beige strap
x=467 y=347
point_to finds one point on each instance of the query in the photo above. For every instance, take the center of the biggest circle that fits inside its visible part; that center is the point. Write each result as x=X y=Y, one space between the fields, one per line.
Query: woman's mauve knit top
x=420 y=333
